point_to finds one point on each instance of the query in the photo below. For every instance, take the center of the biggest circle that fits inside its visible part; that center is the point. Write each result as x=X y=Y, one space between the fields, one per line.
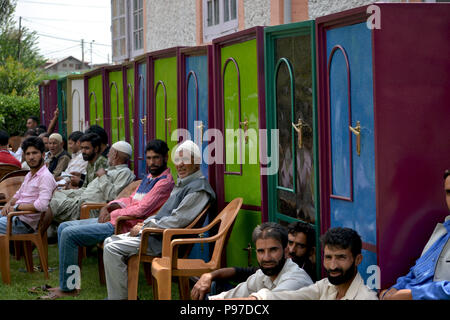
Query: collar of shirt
x=38 y=173
x=352 y=291
x=268 y=283
x=165 y=172
x=54 y=156
x=118 y=167
x=184 y=181
x=76 y=154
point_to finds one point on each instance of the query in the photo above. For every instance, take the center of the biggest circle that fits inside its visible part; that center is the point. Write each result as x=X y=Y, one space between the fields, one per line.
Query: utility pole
x=82 y=53
x=91 y=53
x=20 y=36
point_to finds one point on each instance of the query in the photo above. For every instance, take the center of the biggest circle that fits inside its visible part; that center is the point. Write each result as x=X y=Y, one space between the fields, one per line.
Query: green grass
x=91 y=289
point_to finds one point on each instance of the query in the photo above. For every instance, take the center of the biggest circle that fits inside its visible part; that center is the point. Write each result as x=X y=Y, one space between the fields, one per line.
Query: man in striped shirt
x=151 y=194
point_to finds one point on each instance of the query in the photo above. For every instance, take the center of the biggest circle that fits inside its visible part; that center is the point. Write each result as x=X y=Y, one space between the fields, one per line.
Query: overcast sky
x=69 y=19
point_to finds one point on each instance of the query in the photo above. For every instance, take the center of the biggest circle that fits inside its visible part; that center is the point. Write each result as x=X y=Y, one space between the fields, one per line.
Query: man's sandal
x=38 y=289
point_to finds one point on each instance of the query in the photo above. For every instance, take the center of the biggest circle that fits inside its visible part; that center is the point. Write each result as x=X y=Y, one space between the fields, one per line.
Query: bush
x=14 y=111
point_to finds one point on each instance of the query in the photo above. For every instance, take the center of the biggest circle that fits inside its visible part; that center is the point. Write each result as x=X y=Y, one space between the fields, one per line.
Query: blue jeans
x=71 y=235
x=18 y=227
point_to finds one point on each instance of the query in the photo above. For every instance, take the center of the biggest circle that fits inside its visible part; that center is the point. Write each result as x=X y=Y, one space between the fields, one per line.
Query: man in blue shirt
x=429 y=278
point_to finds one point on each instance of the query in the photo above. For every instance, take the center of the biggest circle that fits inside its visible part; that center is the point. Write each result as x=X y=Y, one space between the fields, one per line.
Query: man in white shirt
x=342 y=255
x=276 y=273
x=77 y=163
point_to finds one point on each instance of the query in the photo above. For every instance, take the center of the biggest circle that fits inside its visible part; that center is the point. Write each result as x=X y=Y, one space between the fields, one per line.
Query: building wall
x=318 y=8
x=256 y=13
x=170 y=23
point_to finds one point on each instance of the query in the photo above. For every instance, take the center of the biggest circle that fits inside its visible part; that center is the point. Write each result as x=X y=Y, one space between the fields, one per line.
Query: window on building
x=64 y=65
x=71 y=65
x=138 y=25
x=78 y=67
x=219 y=18
x=118 y=19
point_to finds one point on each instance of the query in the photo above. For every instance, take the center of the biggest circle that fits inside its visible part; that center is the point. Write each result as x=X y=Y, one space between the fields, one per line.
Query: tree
x=7 y=8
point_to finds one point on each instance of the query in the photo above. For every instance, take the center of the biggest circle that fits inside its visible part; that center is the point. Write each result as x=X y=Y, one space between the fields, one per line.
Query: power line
x=63 y=4
x=60 y=50
x=66 y=20
x=65 y=39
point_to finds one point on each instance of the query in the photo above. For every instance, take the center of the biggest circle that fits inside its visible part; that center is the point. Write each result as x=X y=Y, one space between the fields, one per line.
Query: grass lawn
x=91 y=289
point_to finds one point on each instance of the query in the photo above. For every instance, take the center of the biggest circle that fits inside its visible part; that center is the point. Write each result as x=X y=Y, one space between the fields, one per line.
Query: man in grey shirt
x=189 y=197
x=276 y=273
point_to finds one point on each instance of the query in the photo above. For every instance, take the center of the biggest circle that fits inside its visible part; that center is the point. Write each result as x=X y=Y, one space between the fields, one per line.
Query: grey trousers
x=116 y=251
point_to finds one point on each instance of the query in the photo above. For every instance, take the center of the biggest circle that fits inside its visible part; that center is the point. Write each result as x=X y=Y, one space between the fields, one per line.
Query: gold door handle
x=245 y=124
x=201 y=126
x=357 y=132
x=143 y=122
x=299 y=127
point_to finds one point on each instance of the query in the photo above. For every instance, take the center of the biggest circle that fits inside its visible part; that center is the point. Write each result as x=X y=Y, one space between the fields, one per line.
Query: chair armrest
x=17 y=213
x=169 y=248
x=120 y=221
x=87 y=207
x=146 y=232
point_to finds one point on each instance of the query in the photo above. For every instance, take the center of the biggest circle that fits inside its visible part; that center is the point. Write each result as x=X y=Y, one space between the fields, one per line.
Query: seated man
x=34 y=193
x=191 y=194
x=276 y=273
x=76 y=164
x=5 y=155
x=341 y=257
x=300 y=247
x=429 y=278
x=151 y=194
x=90 y=144
x=59 y=158
x=66 y=204
x=104 y=147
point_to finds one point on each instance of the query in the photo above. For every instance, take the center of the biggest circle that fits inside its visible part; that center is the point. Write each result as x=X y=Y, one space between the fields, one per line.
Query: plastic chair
x=169 y=265
x=85 y=214
x=39 y=238
x=16 y=173
x=135 y=260
x=6 y=168
x=9 y=187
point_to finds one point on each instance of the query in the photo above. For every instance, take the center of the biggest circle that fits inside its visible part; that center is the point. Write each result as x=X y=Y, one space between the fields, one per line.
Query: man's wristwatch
x=16 y=207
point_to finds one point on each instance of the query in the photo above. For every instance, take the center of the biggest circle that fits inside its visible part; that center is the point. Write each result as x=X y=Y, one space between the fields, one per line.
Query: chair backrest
x=227 y=218
x=129 y=189
x=10 y=186
x=6 y=168
x=16 y=173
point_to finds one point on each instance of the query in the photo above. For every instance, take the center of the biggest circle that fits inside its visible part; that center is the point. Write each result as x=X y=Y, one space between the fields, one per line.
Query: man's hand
x=100 y=172
x=105 y=212
x=135 y=230
x=394 y=294
x=75 y=179
x=7 y=208
x=104 y=215
x=202 y=287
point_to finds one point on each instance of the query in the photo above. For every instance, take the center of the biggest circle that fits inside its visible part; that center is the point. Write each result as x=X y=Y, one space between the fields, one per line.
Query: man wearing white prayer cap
x=65 y=204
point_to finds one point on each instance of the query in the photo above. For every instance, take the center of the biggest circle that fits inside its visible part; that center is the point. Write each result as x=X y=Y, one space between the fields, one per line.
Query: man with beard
x=66 y=204
x=300 y=248
x=90 y=144
x=35 y=192
x=341 y=257
x=149 y=196
x=276 y=273
x=429 y=278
